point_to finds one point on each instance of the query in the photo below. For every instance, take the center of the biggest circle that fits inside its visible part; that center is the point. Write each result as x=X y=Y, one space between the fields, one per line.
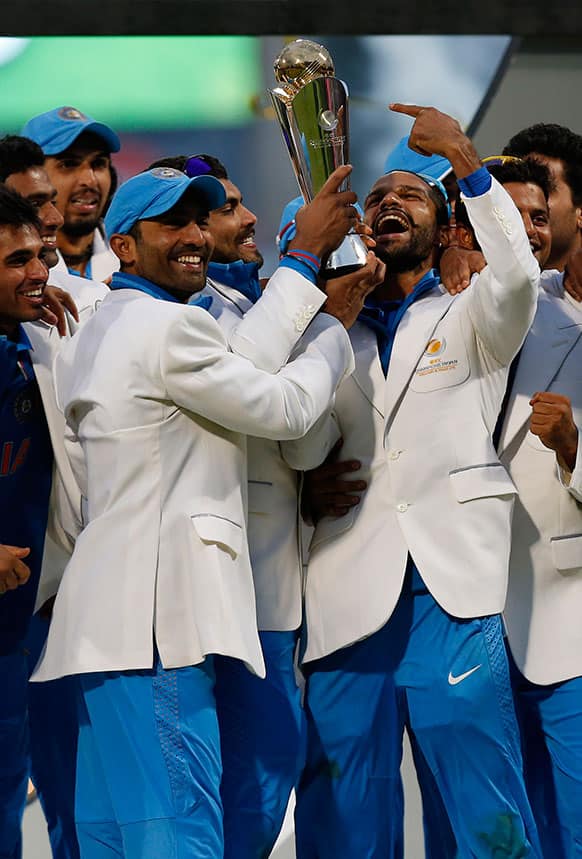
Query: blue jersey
x=25 y=479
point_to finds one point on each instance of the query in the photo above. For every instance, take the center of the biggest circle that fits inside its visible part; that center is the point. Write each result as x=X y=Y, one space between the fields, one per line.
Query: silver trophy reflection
x=312 y=108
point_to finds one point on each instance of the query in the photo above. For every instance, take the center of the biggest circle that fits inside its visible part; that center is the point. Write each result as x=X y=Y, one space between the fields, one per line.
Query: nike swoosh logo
x=454 y=680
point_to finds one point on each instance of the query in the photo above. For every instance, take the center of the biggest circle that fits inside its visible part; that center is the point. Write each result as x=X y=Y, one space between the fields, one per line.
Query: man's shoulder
x=83 y=290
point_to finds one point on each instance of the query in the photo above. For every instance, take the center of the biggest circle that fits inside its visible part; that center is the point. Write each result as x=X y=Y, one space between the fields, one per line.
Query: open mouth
x=391 y=223
x=85 y=202
x=49 y=241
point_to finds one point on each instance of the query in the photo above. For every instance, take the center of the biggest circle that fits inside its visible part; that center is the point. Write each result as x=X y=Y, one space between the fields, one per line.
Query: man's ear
x=445 y=237
x=465 y=238
x=124 y=247
x=579 y=217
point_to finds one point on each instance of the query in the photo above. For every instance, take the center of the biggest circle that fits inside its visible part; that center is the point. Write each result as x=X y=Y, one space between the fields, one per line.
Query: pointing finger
x=408 y=109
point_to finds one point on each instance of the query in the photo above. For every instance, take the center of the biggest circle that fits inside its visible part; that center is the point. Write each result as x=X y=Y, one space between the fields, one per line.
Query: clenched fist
x=553 y=422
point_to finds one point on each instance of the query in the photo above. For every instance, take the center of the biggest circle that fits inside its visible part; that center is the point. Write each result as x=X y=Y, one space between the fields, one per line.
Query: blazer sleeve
x=572 y=481
x=312 y=450
x=199 y=374
x=502 y=300
x=270 y=329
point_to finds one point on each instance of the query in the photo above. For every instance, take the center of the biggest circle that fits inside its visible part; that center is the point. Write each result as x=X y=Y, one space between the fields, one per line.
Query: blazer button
x=394 y=454
x=402 y=507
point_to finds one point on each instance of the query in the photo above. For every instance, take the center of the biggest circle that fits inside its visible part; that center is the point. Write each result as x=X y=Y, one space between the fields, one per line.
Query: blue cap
x=57 y=129
x=287 y=227
x=154 y=192
x=430 y=180
x=404 y=158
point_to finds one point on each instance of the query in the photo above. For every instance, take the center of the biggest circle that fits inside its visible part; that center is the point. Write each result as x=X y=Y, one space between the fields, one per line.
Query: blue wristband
x=476 y=183
x=300 y=266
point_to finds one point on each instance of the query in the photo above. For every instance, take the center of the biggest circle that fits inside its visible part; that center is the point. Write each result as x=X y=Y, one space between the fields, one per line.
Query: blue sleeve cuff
x=476 y=183
x=300 y=267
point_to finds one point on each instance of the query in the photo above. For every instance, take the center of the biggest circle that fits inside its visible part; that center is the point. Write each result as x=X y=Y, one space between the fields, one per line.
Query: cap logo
x=166 y=173
x=71 y=113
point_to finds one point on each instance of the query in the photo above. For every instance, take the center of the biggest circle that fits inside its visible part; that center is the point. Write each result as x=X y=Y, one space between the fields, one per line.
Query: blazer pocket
x=481 y=481
x=567 y=552
x=260 y=497
x=217 y=530
x=329 y=528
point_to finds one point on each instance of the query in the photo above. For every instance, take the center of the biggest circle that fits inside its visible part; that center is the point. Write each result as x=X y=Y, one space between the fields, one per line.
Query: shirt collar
x=424 y=285
x=123 y=280
x=242 y=276
x=22 y=343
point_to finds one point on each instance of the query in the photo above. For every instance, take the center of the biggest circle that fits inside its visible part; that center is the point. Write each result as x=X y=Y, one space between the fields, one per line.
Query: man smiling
x=160 y=578
x=25 y=483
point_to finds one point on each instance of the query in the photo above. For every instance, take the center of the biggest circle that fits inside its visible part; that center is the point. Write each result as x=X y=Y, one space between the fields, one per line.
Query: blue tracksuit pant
x=262 y=735
x=148 y=775
x=14 y=750
x=52 y=713
x=551 y=725
x=447 y=681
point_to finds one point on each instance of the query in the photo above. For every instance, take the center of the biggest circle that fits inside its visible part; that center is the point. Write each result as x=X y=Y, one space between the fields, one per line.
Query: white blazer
x=65 y=515
x=161 y=409
x=272 y=524
x=544 y=599
x=436 y=488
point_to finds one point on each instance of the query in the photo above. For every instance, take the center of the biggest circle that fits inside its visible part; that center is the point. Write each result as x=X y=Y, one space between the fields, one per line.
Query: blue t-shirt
x=25 y=479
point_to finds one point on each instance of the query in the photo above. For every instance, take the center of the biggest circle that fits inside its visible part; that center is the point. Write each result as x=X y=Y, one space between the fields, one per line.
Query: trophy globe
x=300 y=62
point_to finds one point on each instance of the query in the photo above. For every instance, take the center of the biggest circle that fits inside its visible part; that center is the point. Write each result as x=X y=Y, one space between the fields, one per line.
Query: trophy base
x=349 y=257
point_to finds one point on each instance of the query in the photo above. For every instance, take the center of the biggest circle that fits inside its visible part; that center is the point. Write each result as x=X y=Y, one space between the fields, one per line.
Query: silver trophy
x=312 y=108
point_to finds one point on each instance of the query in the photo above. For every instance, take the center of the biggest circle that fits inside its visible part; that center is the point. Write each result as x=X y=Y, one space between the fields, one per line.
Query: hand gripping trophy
x=312 y=108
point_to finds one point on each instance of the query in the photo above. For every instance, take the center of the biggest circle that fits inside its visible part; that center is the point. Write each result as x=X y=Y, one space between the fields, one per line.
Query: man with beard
x=51 y=707
x=403 y=593
x=262 y=730
x=78 y=161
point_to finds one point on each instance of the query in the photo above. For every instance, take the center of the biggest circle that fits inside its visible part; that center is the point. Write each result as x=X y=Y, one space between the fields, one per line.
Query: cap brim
x=208 y=186
x=107 y=134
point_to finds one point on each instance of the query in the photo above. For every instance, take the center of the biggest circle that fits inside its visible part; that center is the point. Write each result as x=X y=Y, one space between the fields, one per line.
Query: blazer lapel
x=45 y=343
x=368 y=374
x=412 y=336
x=553 y=334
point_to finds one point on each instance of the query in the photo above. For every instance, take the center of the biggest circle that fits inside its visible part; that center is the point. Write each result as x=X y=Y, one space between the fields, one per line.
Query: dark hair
x=527 y=170
x=18 y=154
x=553 y=141
x=178 y=162
x=441 y=206
x=16 y=211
